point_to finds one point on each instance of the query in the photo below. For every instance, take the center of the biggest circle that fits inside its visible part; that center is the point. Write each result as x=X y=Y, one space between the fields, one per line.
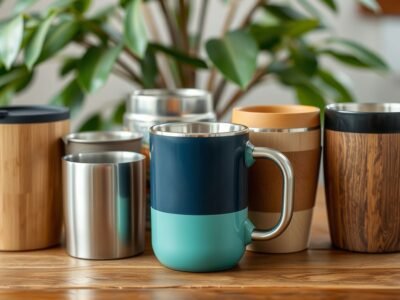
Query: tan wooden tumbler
x=295 y=131
x=30 y=176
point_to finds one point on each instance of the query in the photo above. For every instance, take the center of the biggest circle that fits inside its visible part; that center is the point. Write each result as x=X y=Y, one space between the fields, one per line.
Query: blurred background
x=379 y=33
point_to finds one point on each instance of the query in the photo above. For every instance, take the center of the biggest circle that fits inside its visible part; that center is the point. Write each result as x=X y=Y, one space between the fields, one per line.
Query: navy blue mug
x=199 y=194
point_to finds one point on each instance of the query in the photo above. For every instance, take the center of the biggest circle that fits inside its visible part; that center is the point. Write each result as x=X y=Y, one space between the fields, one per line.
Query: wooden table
x=313 y=274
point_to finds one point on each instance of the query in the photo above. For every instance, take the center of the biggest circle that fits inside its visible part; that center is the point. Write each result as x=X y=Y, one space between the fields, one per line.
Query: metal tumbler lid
x=97 y=137
x=169 y=103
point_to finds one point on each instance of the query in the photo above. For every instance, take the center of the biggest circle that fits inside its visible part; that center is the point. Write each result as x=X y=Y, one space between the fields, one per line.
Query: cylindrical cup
x=30 y=176
x=199 y=194
x=362 y=171
x=293 y=130
x=104 y=204
x=102 y=141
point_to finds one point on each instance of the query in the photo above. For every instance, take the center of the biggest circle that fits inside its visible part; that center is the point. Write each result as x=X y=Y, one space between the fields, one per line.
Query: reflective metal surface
x=200 y=129
x=146 y=108
x=100 y=141
x=365 y=107
x=285 y=130
x=104 y=204
x=287 y=196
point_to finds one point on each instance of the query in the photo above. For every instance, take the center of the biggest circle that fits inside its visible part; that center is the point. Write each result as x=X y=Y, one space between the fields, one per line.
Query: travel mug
x=362 y=171
x=295 y=131
x=30 y=176
x=104 y=204
x=199 y=194
x=102 y=141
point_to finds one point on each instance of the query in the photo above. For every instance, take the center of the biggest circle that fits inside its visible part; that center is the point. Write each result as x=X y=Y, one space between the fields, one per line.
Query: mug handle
x=284 y=164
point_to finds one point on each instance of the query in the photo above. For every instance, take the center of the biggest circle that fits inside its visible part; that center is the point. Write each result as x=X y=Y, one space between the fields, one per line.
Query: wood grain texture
x=318 y=273
x=362 y=174
x=30 y=185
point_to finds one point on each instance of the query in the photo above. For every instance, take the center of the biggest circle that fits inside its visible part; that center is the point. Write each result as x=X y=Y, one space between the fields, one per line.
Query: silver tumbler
x=104 y=204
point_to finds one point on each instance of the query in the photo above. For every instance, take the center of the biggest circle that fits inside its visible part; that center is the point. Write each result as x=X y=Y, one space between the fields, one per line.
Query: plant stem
x=240 y=93
x=123 y=74
x=218 y=92
x=200 y=27
x=227 y=23
x=251 y=12
x=174 y=35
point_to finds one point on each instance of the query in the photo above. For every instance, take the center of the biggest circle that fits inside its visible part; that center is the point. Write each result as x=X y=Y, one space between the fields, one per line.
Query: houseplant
x=123 y=39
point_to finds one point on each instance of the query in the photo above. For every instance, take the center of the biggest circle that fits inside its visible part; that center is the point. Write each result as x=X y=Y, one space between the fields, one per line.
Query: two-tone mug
x=295 y=131
x=199 y=194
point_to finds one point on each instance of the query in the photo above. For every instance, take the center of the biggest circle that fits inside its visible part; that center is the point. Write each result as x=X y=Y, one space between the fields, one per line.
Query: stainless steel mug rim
x=156 y=94
x=104 y=158
x=199 y=129
x=157 y=118
x=96 y=137
x=362 y=108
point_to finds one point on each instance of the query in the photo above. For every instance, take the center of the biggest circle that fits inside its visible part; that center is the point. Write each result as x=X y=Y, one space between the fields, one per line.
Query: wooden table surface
x=317 y=273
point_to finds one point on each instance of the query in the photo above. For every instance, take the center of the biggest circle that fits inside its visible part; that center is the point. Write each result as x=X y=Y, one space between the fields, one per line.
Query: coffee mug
x=199 y=194
x=295 y=131
x=362 y=171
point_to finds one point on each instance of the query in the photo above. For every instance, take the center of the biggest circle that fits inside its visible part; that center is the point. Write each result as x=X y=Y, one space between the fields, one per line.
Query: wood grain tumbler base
x=362 y=181
x=30 y=185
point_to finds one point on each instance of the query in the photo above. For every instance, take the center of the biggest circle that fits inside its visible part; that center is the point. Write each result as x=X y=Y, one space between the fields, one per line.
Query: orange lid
x=277 y=116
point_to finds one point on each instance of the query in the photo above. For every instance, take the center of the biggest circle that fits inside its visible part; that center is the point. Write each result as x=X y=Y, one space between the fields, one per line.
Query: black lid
x=363 y=117
x=32 y=114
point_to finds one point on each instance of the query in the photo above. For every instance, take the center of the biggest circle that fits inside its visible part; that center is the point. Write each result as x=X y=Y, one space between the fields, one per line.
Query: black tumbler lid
x=32 y=114
x=363 y=117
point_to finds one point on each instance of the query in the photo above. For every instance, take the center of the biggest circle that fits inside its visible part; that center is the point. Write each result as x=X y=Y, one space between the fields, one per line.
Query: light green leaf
x=134 y=29
x=35 y=45
x=58 y=37
x=335 y=83
x=21 y=5
x=69 y=64
x=371 y=4
x=180 y=56
x=71 y=96
x=235 y=56
x=118 y=114
x=95 y=67
x=11 y=34
x=82 y=5
x=283 y=12
x=310 y=95
x=300 y=27
x=267 y=36
x=355 y=54
x=12 y=82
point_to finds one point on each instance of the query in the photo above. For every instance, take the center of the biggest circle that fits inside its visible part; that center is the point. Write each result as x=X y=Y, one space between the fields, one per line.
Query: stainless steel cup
x=100 y=141
x=146 y=108
x=104 y=204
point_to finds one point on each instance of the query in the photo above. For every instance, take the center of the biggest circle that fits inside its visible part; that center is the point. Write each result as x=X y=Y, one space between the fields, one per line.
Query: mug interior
x=365 y=107
x=112 y=157
x=200 y=129
x=102 y=136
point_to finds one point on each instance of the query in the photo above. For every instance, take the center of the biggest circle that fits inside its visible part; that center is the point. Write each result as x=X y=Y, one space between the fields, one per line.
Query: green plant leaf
x=118 y=114
x=13 y=81
x=371 y=4
x=71 y=96
x=304 y=58
x=267 y=36
x=82 y=5
x=331 y=4
x=95 y=67
x=342 y=93
x=68 y=65
x=309 y=95
x=35 y=45
x=21 y=5
x=300 y=27
x=363 y=56
x=134 y=30
x=149 y=69
x=95 y=122
x=180 y=56
x=235 y=56
x=11 y=34
x=58 y=37
x=283 y=12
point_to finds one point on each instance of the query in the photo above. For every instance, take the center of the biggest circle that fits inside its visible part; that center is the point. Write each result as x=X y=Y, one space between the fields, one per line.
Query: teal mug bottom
x=200 y=243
